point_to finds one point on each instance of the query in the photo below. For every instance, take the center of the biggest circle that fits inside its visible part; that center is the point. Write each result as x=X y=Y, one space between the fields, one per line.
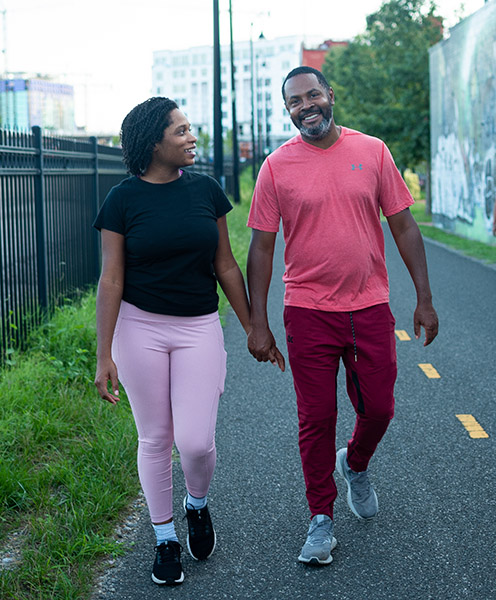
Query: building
x=463 y=127
x=25 y=102
x=315 y=57
x=260 y=67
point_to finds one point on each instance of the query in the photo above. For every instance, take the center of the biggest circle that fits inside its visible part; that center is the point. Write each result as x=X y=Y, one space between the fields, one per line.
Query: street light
x=235 y=148
x=254 y=104
x=218 y=151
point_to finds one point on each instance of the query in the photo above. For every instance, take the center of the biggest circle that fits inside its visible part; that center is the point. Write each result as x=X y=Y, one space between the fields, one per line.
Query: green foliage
x=203 y=145
x=239 y=233
x=478 y=250
x=419 y=213
x=412 y=181
x=381 y=79
x=67 y=460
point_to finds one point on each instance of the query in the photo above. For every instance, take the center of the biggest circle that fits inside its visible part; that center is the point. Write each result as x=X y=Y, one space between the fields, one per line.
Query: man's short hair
x=301 y=70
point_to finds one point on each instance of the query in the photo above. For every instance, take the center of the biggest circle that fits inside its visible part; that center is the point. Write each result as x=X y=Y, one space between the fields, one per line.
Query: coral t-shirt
x=329 y=202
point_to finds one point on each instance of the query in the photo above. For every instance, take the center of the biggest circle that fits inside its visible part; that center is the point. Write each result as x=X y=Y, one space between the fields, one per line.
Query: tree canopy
x=381 y=79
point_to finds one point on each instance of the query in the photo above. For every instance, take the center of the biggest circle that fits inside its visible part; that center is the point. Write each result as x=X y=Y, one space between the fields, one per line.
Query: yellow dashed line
x=402 y=335
x=474 y=429
x=430 y=371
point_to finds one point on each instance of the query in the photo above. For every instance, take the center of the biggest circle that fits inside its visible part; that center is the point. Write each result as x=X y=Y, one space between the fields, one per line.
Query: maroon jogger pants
x=316 y=341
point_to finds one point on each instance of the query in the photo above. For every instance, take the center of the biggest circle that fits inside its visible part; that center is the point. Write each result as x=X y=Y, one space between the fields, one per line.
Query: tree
x=381 y=79
x=204 y=145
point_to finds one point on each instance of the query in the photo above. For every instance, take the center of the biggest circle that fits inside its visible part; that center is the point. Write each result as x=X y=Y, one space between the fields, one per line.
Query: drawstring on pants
x=354 y=338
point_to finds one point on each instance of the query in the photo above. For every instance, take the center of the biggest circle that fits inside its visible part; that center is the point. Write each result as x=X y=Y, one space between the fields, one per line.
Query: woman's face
x=178 y=145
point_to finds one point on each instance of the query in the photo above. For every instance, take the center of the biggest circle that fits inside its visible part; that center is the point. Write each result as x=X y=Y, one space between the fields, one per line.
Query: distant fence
x=50 y=191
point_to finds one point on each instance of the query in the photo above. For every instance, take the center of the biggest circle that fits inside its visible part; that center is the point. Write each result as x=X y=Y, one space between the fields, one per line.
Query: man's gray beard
x=319 y=131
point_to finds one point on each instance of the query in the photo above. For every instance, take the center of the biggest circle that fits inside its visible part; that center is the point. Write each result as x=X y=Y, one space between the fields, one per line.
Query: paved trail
x=434 y=535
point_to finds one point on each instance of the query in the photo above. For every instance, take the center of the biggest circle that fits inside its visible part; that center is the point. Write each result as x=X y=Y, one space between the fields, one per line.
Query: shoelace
x=360 y=485
x=167 y=552
x=320 y=533
x=198 y=522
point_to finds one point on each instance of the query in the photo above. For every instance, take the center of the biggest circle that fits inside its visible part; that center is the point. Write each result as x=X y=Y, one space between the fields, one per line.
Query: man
x=327 y=185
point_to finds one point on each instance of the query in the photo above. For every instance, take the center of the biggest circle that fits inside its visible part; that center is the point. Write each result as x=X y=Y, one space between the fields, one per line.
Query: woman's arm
x=230 y=277
x=108 y=301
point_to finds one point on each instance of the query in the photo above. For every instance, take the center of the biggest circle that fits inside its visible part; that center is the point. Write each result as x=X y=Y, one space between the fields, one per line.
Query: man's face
x=309 y=105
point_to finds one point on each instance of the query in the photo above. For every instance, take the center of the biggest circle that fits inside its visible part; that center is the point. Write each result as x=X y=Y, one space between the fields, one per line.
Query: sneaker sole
x=191 y=553
x=339 y=467
x=315 y=561
x=168 y=582
x=187 y=539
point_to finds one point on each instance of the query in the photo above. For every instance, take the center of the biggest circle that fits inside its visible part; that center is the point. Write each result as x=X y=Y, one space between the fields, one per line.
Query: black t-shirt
x=171 y=238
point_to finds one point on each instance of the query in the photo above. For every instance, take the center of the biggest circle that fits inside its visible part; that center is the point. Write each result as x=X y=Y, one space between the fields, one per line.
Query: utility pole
x=218 y=150
x=252 y=72
x=235 y=148
x=3 y=12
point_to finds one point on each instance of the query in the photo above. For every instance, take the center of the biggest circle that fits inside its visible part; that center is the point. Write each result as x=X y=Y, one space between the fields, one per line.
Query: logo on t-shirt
x=355 y=167
x=290 y=339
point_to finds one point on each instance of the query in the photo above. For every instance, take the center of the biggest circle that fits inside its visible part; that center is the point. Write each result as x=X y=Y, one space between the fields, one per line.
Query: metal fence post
x=40 y=212
x=96 y=201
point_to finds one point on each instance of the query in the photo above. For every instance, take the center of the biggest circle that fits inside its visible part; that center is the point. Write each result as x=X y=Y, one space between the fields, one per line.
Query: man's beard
x=317 y=132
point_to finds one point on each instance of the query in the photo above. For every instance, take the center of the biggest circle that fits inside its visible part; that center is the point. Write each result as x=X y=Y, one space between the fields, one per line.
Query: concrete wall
x=463 y=127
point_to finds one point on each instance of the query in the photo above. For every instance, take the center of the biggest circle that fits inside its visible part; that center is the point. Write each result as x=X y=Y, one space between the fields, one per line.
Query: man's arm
x=261 y=342
x=409 y=241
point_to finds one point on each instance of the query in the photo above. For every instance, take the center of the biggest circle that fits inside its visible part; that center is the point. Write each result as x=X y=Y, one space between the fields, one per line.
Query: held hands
x=425 y=316
x=262 y=346
x=107 y=371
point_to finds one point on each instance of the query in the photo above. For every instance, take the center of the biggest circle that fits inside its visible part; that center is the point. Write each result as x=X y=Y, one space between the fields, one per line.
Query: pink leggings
x=173 y=371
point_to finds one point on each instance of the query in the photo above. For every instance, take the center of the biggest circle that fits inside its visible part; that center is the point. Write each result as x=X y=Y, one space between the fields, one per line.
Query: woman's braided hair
x=142 y=128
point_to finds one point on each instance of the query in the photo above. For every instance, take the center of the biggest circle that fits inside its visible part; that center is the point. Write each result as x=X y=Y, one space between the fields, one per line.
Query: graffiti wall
x=463 y=127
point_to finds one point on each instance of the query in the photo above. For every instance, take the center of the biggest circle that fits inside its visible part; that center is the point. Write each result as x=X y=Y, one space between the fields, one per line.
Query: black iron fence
x=50 y=191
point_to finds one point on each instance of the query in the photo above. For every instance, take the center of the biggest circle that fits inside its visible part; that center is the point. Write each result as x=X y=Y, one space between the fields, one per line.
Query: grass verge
x=468 y=247
x=68 y=459
x=239 y=234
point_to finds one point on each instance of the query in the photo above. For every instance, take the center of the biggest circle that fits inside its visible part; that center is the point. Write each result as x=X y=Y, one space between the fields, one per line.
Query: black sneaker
x=167 y=569
x=201 y=534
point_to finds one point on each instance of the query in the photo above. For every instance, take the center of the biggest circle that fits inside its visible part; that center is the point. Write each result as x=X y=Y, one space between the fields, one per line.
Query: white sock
x=196 y=503
x=165 y=532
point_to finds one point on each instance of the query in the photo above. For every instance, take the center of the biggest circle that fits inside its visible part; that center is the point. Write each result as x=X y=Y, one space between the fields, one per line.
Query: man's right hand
x=262 y=346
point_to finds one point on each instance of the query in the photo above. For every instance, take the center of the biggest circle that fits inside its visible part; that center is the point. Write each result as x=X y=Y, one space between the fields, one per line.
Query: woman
x=165 y=245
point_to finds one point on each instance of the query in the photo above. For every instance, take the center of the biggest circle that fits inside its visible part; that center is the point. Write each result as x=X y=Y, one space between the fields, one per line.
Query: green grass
x=67 y=458
x=67 y=461
x=472 y=248
x=239 y=234
x=418 y=212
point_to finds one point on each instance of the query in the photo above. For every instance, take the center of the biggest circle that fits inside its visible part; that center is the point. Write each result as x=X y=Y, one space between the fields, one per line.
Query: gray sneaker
x=320 y=542
x=361 y=496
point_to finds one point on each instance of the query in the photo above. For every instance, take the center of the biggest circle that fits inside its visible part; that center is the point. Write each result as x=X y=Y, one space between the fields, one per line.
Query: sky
x=105 y=47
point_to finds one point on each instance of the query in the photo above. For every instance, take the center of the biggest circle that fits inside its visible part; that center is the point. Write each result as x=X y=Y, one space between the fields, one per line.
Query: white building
x=186 y=76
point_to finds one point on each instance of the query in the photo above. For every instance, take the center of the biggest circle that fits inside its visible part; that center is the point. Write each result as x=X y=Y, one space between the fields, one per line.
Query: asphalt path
x=434 y=536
